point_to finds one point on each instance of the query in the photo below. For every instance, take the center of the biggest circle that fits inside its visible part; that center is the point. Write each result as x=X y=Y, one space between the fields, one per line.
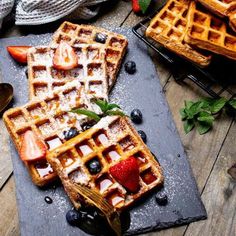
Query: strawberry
x=65 y=57
x=19 y=53
x=32 y=148
x=126 y=173
x=136 y=6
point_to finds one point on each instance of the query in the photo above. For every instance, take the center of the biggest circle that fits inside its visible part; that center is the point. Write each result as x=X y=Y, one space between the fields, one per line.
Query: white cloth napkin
x=36 y=12
x=5 y=8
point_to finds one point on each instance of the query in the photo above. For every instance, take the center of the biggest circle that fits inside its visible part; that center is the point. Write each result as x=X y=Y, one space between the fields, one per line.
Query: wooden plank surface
x=210 y=155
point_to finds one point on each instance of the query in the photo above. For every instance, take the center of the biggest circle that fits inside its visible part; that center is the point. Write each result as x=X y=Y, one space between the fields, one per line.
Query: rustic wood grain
x=218 y=191
x=9 y=225
x=219 y=195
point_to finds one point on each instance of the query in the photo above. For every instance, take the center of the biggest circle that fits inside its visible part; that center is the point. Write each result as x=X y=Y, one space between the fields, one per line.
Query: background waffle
x=208 y=32
x=168 y=28
x=111 y=140
x=114 y=44
x=222 y=8
x=48 y=119
x=91 y=72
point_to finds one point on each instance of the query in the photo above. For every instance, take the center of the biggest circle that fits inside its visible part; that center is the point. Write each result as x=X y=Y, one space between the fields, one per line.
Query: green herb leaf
x=144 y=4
x=88 y=113
x=115 y=113
x=183 y=113
x=111 y=106
x=102 y=104
x=205 y=117
x=188 y=104
x=188 y=126
x=203 y=127
x=232 y=103
x=195 y=108
x=218 y=104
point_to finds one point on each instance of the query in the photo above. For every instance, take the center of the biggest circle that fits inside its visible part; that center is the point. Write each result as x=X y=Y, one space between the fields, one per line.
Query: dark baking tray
x=141 y=90
x=217 y=80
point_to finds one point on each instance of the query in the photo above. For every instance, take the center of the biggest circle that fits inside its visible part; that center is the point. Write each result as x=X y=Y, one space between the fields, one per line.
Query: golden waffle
x=48 y=118
x=168 y=28
x=91 y=72
x=111 y=140
x=208 y=32
x=222 y=8
x=114 y=44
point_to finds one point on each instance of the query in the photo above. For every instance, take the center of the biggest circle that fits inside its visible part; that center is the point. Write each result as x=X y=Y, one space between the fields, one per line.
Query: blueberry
x=73 y=217
x=94 y=166
x=88 y=125
x=143 y=135
x=100 y=38
x=161 y=198
x=48 y=200
x=71 y=133
x=130 y=67
x=136 y=116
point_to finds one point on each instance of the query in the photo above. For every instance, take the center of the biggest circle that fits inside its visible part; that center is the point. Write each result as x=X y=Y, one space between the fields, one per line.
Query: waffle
x=208 y=32
x=222 y=8
x=111 y=140
x=91 y=72
x=168 y=28
x=48 y=118
x=114 y=44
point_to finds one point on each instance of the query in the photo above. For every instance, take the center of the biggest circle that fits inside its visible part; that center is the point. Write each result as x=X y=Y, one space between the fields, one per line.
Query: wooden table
x=210 y=155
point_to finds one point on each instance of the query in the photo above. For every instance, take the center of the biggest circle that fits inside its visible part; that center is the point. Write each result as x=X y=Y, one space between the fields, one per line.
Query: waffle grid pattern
x=210 y=33
x=111 y=140
x=91 y=71
x=169 y=27
x=222 y=8
x=114 y=44
x=48 y=119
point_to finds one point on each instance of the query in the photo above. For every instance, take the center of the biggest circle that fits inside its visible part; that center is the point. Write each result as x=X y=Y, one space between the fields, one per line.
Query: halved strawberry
x=126 y=173
x=135 y=6
x=32 y=147
x=65 y=57
x=19 y=53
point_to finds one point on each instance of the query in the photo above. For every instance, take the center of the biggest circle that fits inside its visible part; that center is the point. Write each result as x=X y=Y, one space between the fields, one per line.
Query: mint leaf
x=205 y=117
x=188 y=126
x=195 y=108
x=218 y=105
x=183 y=113
x=144 y=4
x=232 y=103
x=203 y=127
x=88 y=113
x=188 y=104
x=102 y=104
x=115 y=113
x=111 y=106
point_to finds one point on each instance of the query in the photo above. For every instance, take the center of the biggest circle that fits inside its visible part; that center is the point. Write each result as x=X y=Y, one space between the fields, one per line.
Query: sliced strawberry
x=135 y=6
x=65 y=57
x=32 y=148
x=126 y=173
x=19 y=53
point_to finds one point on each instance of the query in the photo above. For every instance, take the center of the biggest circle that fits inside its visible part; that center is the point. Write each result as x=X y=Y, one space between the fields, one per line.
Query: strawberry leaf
x=115 y=113
x=144 y=4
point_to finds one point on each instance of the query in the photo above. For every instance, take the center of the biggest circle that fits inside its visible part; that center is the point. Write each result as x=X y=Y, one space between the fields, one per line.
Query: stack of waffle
x=196 y=29
x=54 y=93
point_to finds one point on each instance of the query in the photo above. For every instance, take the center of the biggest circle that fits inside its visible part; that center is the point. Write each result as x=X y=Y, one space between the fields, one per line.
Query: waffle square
x=91 y=72
x=168 y=28
x=114 y=44
x=48 y=118
x=222 y=8
x=209 y=32
x=111 y=140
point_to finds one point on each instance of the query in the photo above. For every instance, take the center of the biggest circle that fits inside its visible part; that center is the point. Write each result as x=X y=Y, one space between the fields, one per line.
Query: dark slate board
x=142 y=91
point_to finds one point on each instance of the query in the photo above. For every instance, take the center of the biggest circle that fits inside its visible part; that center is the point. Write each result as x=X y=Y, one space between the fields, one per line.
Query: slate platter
x=143 y=91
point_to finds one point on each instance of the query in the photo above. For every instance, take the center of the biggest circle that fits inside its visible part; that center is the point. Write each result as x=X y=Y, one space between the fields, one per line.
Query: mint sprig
x=106 y=108
x=144 y=4
x=200 y=114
